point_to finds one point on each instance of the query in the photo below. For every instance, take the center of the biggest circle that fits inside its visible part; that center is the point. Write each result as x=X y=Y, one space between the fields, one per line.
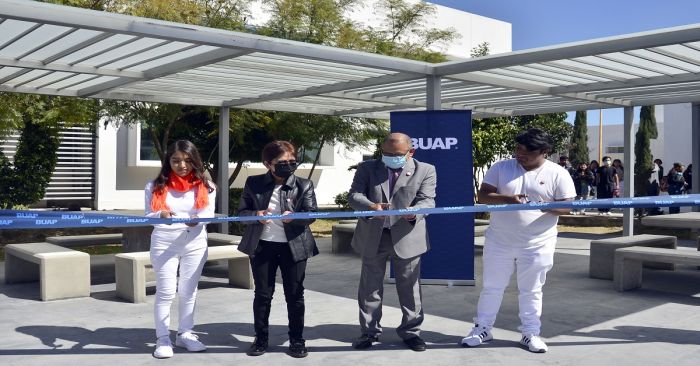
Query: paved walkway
x=586 y=322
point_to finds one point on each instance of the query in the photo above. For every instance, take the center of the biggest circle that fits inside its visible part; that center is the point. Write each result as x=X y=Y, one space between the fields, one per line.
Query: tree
x=404 y=32
x=490 y=142
x=311 y=132
x=553 y=123
x=38 y=119
x=578 y=151
x=643 y=164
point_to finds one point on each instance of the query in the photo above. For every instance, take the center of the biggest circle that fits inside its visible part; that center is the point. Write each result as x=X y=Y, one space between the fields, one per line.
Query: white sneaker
x=534 y=343
x=477 y=336
x=190 y=341
x=164 y=348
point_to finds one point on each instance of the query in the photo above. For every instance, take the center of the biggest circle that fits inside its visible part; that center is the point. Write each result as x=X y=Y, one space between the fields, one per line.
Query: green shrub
x=341 y=199
x=25 y=181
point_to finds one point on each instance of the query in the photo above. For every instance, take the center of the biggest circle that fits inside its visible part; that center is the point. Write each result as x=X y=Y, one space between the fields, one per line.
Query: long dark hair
x=188 y=148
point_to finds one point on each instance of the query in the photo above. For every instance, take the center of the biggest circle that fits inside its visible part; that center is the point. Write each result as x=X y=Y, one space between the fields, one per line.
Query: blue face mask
x=394 y=162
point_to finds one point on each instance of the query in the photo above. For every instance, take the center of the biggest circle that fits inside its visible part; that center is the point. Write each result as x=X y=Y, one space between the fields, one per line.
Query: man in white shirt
x=520 y=240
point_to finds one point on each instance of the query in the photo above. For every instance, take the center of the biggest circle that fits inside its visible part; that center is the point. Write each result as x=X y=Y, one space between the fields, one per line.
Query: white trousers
x=170 y=249
x=532 y=265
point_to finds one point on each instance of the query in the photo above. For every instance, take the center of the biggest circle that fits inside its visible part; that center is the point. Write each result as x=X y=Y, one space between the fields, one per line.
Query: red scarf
x=181 y=184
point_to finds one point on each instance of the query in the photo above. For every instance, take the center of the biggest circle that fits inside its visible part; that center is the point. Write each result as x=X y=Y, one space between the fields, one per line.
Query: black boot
x=258 y=347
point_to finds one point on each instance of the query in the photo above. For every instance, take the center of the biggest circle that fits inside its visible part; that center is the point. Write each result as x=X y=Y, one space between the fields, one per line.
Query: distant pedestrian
x=676 y=184
x=620 y=170
x=583 y=179
x=607 y=182
x=688 y=176
x=594 y=166
x=654 y=188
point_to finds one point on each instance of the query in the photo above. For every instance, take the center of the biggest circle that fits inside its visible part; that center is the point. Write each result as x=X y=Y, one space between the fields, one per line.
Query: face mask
x=607 y=162
x=394 y=162
x=284 y=171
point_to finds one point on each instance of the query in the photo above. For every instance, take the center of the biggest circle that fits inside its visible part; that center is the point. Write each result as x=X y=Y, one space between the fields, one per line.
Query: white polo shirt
x=549 y=182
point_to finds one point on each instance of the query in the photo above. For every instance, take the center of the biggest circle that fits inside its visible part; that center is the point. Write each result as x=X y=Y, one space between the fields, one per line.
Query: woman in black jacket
x=286 y=244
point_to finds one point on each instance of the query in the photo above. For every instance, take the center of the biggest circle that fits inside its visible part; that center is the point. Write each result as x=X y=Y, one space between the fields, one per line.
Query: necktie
x=392 y=180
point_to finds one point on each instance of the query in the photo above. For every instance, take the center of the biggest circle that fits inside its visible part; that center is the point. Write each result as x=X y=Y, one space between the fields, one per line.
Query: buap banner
x=444 y=139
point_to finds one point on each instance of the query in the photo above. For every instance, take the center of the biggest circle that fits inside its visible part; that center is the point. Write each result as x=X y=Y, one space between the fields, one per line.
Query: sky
x=539 y=23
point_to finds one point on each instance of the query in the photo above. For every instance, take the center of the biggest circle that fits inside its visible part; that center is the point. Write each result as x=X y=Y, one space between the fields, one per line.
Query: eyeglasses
x=394 y=154
x=287 y=162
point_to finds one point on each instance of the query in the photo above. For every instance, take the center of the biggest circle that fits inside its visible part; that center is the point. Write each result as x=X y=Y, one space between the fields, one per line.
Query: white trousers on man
x=531 y=265
x=170 y=249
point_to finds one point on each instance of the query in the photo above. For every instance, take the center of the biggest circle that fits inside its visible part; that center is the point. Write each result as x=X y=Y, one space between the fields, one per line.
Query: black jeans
x=269 y=256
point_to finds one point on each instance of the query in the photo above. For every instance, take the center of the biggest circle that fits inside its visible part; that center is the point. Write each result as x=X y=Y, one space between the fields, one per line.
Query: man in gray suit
x=397 y=181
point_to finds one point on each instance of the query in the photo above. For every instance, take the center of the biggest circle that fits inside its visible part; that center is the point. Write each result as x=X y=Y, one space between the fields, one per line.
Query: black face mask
x=284 y=171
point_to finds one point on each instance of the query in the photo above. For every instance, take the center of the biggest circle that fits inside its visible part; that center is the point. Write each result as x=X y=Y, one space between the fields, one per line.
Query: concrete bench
x=218 y=239
x=130 y=271
x=628 y=263
x=85 y=240
x=62 y=273
x=341 y=237
x=601 y=261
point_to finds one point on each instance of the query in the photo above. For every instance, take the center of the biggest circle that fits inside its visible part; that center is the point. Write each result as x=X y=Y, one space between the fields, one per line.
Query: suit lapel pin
x=408 y=174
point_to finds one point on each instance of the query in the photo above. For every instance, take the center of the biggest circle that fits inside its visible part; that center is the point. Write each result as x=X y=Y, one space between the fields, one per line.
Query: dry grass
x=589 y=229
x=323 y=228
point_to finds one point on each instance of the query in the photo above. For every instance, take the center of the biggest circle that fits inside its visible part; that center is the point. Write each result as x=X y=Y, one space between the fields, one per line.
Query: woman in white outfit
x=179 y=190
x=520 y=241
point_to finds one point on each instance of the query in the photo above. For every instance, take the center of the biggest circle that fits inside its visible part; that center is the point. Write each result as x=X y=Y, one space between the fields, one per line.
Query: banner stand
x=444 y=139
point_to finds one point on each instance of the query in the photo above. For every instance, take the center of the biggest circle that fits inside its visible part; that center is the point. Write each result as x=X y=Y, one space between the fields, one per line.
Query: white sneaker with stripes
x=477 y=336
x=534 y=343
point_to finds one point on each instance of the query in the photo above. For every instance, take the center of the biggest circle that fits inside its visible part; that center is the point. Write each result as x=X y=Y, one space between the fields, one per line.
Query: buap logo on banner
x=434 y=143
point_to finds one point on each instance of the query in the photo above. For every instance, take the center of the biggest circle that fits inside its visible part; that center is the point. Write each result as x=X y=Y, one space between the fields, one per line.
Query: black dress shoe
x=258 y=347
x=415 y=343
x=365 y=341
x=297 y=348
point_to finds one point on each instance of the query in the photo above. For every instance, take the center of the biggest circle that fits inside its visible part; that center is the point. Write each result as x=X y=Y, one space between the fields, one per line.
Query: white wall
x=677 y=134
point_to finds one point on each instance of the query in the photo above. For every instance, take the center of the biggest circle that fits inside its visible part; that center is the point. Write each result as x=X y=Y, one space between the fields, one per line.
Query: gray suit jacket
x=415 y=187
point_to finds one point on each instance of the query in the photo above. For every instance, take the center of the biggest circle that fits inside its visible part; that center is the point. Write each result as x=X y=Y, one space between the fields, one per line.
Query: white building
x=122 y=173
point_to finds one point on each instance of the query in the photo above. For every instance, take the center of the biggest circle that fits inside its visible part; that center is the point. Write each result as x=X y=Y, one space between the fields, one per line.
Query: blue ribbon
x=23 y=219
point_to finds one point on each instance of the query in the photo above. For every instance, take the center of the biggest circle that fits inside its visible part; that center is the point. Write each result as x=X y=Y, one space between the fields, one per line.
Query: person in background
x=523 y=241
x=688 y=176
x=654 y=188
x=594 y=166
x=564 y=163
x=676 y=184
x=660 y=172
x=179 y=190
x=607 y=182
x=273 y=244
x=583 y=179
x=620 y=169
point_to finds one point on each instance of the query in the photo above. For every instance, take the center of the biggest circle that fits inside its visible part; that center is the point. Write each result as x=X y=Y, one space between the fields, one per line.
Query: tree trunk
x=318 y=155
x=239 y=166
x=156 y=143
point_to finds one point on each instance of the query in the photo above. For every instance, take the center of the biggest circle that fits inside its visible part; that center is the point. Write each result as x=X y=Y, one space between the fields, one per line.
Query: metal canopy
x=58 y=50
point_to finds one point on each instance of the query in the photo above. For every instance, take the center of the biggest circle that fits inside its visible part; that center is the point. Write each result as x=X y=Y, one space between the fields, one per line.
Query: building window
x=615 y=150
x=147 y=149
